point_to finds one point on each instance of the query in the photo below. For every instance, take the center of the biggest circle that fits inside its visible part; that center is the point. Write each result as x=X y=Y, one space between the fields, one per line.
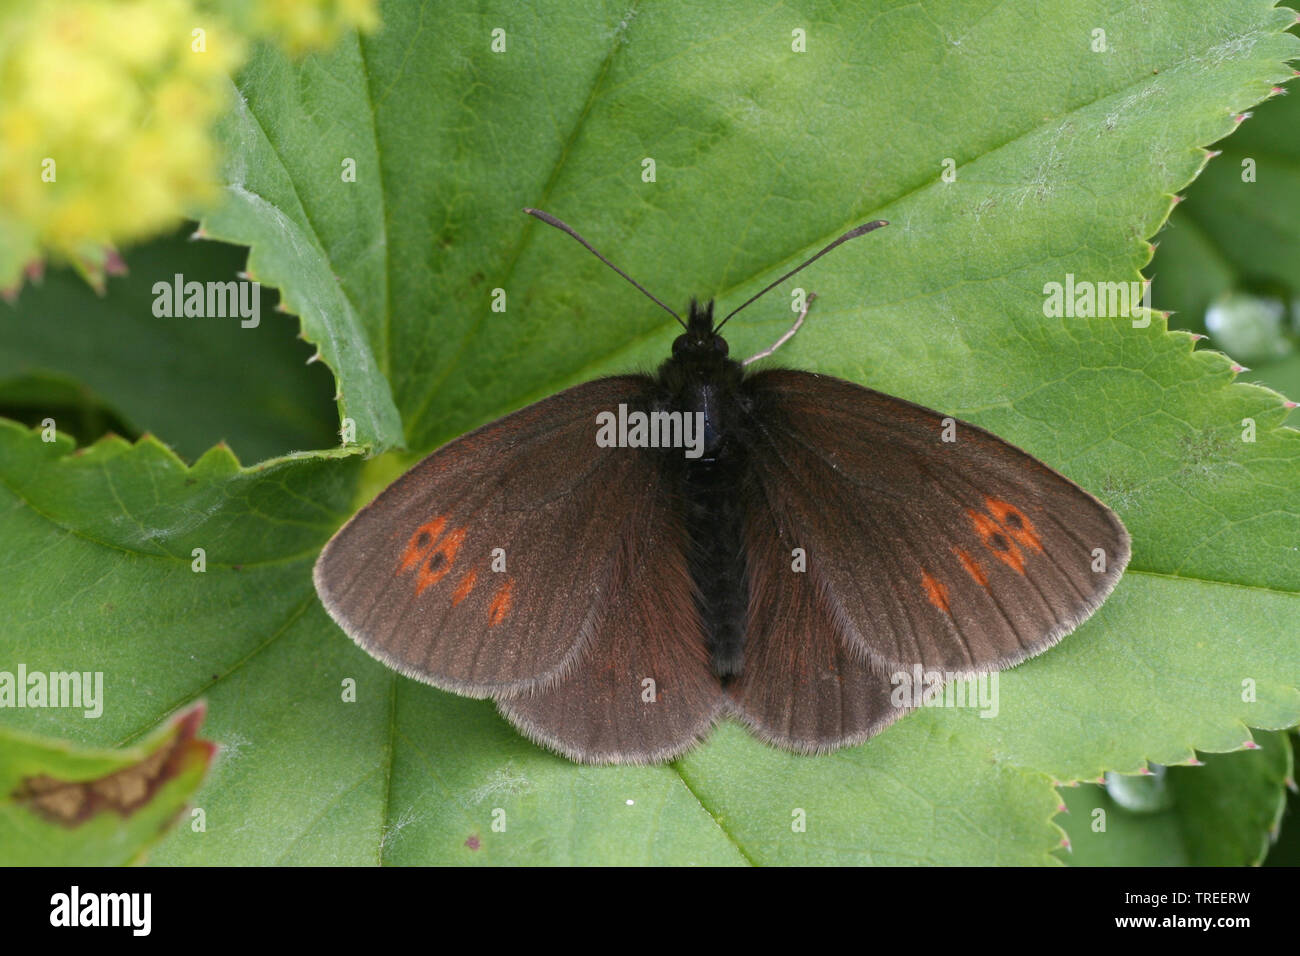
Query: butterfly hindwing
x=966 y=555
x=643 y=690
x=450 y=574
x=804 y=684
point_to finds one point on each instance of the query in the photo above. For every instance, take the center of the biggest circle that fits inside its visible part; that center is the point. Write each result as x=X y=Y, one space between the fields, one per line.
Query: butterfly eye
x=720 y=345
x=680 y=346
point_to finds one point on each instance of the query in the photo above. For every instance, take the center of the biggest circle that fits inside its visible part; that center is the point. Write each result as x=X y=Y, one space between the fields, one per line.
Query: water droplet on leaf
x=1250 y=327
x=1140 y=794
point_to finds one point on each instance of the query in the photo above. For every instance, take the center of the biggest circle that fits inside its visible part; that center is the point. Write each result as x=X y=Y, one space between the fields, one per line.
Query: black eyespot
x=436 y=560
x=1013 y=520
x=999 y=543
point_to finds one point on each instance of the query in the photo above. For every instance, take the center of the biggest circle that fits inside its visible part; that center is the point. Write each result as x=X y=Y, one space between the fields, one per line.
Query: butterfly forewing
x=965 y=555
x=450 y=575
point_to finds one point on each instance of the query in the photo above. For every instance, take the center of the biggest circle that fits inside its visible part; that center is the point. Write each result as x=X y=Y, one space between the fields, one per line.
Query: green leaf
x=37 y=396
x=61 y=804
x=324 y=247
x=1286 y=850
x=192 y=381
x=1241 y=219
x=1239 y=231
x=1222 y=814
x=761 y=155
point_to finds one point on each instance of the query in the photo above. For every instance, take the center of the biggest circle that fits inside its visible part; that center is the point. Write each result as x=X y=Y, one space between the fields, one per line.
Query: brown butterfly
x=622 y=564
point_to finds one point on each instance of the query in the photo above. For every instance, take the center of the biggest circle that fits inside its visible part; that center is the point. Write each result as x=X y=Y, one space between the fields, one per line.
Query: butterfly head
x=700 y=341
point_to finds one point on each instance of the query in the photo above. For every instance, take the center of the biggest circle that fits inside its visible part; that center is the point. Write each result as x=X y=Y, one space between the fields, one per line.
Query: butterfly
x=625 y=563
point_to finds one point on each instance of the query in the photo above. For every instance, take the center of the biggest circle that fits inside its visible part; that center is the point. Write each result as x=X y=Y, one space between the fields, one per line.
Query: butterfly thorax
x=701 y=380
x=700 y=377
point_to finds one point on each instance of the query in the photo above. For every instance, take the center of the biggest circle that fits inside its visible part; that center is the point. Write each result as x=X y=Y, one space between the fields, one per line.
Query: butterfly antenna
x=861 y=230
x=560 y=224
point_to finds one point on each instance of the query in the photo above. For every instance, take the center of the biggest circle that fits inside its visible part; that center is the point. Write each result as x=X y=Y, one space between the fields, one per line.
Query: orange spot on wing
x=501 y=602
x=1014 y=522
x=996 y=540
x=972 y=567
x=936 y=591
x=422 y=541
x=464 y=587
x=438 y=564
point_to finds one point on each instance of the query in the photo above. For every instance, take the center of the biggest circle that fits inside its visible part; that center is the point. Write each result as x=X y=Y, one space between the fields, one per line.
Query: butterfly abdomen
x=701 y=381
x=715 y=523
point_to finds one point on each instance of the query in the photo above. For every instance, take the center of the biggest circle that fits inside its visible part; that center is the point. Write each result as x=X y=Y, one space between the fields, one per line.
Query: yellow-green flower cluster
x=105 y=120
x=107 y=110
